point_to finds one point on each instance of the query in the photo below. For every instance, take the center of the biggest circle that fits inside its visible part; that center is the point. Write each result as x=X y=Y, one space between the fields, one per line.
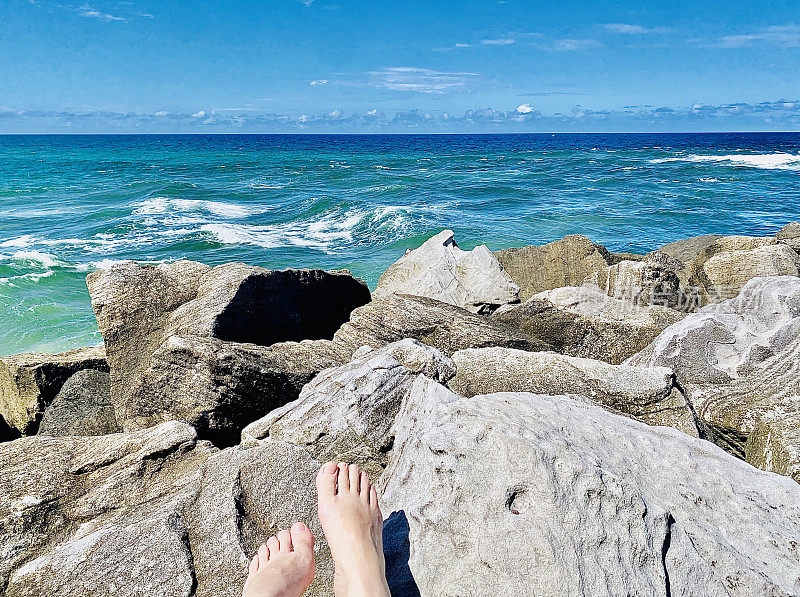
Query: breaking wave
x=764 y=161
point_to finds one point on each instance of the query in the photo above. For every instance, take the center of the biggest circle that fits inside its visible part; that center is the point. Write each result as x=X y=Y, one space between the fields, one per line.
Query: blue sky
x=402 y=66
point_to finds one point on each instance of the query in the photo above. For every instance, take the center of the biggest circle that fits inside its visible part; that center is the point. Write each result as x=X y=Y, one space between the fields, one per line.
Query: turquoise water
x=70 y=204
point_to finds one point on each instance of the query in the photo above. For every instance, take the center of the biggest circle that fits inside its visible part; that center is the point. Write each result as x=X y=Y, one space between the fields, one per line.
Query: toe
x=326 y=479
x=354 y=477
x=253 y=565
x=373 y=498
x=302 y=539
x=364 y=487
x=273 y=546
x=285 y=541
x=262 y=555
x=343 y=482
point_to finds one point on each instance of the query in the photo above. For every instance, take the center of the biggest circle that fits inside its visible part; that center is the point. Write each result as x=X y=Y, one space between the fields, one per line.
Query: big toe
x=326 y=479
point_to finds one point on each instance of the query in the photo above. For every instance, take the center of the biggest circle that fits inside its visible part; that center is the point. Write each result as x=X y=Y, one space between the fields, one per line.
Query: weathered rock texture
x=29 y=382
x=687 y=249
x=726 y=340
x=537 y=495
x=82 y=407
x=642 y=283
x=647 y=394
x=441 y=325
x=215 y=346
x=153 y=513
x=584 y=322
x=346 y=413
x=565 y=262
x=472 y=280
x=790 y=235
x=722 y=269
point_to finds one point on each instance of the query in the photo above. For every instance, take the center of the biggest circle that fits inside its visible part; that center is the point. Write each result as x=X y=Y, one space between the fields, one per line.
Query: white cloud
x=462 y=45
x=785 y=36
x=199 y=114
x=318 y=82
x=421 y=80
x=567 y=45
x=525 y=109
x=306 y=2
x=625 y=29
x=161 y=113
x=87 y=11
x=498 y=42
x=146 y=15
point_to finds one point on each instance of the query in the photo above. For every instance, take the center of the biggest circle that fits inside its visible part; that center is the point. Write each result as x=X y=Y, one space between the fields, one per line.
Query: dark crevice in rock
x=512 y=497
x=664 y=550
x=7 y=432
x=292 y=305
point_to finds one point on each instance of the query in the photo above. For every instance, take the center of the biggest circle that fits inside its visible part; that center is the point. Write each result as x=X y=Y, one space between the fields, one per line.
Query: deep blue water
x=70 y=204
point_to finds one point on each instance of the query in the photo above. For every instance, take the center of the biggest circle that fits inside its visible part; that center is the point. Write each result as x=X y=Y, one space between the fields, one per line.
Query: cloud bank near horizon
x=774 y=115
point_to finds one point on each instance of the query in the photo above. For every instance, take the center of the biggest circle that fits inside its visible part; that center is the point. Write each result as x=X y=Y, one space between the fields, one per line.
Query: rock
x=345 y=413
x=790 y=235
x=441 y=325
x=640 y=282
x=246 y=495
x=29 y=382
x=218 y=386
x=774 y=443
x=594 y=504
x=721 y=270
x=92 y=516
x=472 y=280
x=150 y=513
x=647 y=394
x=565 y=262
x=725 y=340
x=214 y=346
x=82 y=407
x=767 y=399
x=585 y=322
x=687 y=249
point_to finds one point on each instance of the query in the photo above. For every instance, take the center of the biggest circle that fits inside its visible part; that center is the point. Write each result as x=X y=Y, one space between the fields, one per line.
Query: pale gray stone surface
x=790 y=235
x=647 y=394
x=585 y=322
x=439 y=269
x=538 y=495
x=82 y=407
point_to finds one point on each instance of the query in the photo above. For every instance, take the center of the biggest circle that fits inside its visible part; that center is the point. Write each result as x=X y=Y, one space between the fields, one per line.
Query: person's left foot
x=283 y=566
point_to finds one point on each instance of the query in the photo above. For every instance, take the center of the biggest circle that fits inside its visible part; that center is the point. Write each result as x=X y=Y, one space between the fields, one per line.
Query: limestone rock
x=218 y=386
x=346 y=413
x=725 y=340
x=538 y=495
x=640 y=282
x=687 y=249
x=246 y=495
x=790 y=235
x=29 y=382
x=441 y=325
x=440 y=270
x=767 y=399
x=95 y=516
x=215 y=346
x=82 y=407
x=565 y=262
x=585 y=322
x=646 y=394
x=721 y=270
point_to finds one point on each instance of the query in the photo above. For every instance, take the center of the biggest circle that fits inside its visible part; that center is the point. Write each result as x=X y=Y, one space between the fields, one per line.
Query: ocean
x=71 y=204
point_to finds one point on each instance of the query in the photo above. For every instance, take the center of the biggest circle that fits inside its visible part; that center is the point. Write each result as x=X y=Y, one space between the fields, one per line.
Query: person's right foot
x=353 y=525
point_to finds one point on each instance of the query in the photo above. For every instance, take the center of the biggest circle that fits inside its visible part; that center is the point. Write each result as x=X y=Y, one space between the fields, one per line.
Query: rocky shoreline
x=545 y=420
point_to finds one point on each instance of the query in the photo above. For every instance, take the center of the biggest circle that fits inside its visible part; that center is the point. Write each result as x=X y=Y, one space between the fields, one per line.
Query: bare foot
x=353 y=525
x=283 y=566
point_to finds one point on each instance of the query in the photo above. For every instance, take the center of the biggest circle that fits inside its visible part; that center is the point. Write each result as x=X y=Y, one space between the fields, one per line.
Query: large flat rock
x=82 y=407
x=543 y=495
x=647 y=394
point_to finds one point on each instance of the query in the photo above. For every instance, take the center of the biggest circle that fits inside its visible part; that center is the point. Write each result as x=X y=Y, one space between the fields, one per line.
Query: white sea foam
x=165 y=205
x=765 y=161
x=26 y=240
x=44 y=259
